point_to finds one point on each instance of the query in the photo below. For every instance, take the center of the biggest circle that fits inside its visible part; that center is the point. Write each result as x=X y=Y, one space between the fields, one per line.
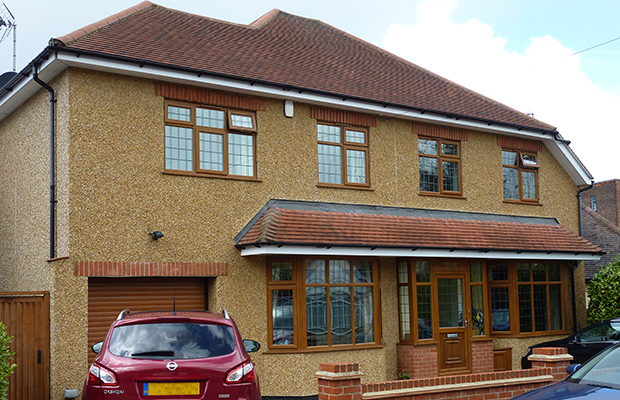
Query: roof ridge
x=266 y=18
x=609 y=224
x=88 y=29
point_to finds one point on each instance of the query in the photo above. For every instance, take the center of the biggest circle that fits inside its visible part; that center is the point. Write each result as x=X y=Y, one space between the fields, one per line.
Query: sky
x=558 y=60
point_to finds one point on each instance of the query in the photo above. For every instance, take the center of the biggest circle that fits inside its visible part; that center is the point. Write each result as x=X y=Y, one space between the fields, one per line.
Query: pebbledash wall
x=111 y=191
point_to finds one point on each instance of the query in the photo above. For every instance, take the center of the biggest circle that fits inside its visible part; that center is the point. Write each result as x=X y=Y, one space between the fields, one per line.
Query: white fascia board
x=569 y=161
x=410 y=253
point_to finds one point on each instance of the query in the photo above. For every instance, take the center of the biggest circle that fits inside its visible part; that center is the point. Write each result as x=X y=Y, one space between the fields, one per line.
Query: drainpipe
x=572 y=273
x=52 y=163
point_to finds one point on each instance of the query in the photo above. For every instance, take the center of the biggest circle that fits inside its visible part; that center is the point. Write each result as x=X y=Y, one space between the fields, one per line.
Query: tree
x=604 y=292
x=6 y=357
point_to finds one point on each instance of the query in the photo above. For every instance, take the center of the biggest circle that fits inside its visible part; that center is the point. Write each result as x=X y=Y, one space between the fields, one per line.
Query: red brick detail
x=557 y=365
x=339 y=381
x=119 y=268
x=440 y=132
x=520 y=144
x=418 y=361
x=482 y=356
x=343 y=117
x=208 y=97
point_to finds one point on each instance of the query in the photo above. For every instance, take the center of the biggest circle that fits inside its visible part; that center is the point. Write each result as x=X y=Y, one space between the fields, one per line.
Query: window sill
x=445 y=195
x=529 y=203
x=215 y=176
x=334 y=186
x=324 y=349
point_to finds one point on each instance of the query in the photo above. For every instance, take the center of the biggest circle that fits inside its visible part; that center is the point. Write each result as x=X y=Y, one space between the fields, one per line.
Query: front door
x=452 y=301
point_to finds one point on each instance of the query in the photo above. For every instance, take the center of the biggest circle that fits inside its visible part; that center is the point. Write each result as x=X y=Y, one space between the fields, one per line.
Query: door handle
x=466 y=321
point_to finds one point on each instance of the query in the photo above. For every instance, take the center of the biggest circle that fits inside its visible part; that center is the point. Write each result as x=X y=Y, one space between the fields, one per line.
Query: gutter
x=52 y=161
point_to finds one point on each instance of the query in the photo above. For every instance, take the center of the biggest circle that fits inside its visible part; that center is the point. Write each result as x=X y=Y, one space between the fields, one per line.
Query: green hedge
x=6 y=358
x=604 y=293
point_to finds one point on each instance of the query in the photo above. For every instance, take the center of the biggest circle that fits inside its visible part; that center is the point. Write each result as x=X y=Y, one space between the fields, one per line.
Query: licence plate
x=171 y=388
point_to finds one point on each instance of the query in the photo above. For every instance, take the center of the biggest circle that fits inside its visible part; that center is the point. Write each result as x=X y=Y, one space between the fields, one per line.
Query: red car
x=182 y=354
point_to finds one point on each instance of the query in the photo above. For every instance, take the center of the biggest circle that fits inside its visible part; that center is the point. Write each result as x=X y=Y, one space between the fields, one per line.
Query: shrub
x=6 y=365
x=604 y=292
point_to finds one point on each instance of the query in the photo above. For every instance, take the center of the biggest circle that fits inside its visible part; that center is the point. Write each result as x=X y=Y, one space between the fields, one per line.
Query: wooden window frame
x=344 y=146
x=440 y=157
x=521 y=167
x=225 y=132
x=298 y=285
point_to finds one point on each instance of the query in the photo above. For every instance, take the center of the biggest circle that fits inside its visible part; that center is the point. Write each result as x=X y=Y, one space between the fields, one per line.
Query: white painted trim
x=409 y=253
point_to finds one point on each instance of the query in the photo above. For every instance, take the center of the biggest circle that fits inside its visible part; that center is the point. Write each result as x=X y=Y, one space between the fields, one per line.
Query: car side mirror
x=97 y=347
x=572 y=368
x=251 y=346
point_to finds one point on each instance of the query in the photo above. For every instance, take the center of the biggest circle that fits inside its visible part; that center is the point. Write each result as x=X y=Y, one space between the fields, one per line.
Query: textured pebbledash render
x=112 y=191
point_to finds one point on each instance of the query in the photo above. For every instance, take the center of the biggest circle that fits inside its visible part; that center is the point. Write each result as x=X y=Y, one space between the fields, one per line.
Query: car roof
x=205 y=316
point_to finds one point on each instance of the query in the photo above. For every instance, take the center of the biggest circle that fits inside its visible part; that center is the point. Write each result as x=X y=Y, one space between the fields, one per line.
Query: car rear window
x=172 y=340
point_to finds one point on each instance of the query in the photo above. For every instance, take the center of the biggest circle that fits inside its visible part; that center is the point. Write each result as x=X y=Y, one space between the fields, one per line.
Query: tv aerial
x=7 y=24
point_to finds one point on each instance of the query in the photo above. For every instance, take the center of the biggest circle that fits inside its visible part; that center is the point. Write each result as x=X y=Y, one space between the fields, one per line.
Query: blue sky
x=519 y=52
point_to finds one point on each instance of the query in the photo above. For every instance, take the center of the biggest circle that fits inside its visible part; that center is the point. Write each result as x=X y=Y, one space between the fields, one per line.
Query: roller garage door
x=107 y=297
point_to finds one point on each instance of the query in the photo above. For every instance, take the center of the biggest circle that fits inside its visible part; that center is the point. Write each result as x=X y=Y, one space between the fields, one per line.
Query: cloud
x=546 y=80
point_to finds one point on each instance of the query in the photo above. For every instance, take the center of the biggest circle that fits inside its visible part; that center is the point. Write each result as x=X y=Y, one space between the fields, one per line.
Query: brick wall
x=417 y=361
x=482 y=356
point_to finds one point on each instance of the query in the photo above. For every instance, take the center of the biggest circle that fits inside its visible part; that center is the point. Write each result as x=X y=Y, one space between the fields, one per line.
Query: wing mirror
x=97 y=347
x=572 y=368
x=251 y=346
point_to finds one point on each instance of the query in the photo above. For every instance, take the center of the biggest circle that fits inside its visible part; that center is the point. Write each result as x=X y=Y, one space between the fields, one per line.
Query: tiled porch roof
x=321 y=224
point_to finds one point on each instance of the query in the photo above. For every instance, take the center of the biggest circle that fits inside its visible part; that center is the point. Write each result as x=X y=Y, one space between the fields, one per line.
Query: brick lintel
x=149 y=268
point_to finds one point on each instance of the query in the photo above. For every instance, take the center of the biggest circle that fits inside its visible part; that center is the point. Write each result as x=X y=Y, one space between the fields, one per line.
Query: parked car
x=597 y=379
x=584 y=344
x=182 y=354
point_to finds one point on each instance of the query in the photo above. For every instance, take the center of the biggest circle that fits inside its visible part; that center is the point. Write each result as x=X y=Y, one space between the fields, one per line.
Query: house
x=600 y=218
x=341 y=204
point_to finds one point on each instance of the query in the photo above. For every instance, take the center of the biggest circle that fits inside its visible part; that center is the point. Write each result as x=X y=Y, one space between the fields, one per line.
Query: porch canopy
x=285 y=227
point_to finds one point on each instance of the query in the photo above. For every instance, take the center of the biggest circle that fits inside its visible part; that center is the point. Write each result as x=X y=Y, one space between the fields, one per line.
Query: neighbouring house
x=342 y=204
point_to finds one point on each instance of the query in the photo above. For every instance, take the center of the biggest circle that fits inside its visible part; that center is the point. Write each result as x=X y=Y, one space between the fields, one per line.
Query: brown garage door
x=107 y=297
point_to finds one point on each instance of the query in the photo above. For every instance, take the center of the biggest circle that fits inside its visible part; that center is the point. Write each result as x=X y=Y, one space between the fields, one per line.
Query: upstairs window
x=343 y=155
x=593 y=203
x=520 y=171
x=210 y=141
x=440 y=166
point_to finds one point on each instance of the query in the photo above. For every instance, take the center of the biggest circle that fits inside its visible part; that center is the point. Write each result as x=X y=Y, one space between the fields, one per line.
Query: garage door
x=107 y=297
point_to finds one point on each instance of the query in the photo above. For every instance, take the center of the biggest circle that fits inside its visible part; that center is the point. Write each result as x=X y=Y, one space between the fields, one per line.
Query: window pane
x=356 y=166
x=282 y=271
x=339 y=271
x=450 y=149
x=529 y=159
x=511 y=183
x=330 y=164
x=316 y=316
x=403 y=272
x=450 y=302
x=525 y=309
x=555 y=307
x=242 y=121
x=498 y=272
x=210 y=118
x=355 y=136
x=539 y=272
x=477 y=310
x=541 y=316
x=450 y=176
x=329 y=133
x=475 y=272
x=426 y=146
x=211 y=151
x=500 y=310
x=179 y=113
x=240 y=154
x=554 y=273
x=282 y=314
x=529 y=184
x=429 y=174
x=423 y=271
x=509 y=158
x=179 y=148
x=362 y=271
x=425 y=327
x=405 y=323
x=315 y=271
x=523 y=272
x=364 y=315
x=340 y=311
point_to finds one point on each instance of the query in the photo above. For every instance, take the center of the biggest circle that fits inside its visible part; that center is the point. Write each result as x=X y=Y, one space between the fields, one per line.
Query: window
x=322 y=303
x=520 y=171
x=440 y=166
x=210 y=141
x=593 y=203
x=420 y=286
x=343 y=155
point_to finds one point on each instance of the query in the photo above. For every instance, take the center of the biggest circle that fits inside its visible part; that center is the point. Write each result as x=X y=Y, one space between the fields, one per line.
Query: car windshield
x=603 y=370
x=172 y=340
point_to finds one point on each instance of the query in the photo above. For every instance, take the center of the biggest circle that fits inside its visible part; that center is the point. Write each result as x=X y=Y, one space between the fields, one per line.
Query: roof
x=288 y=50
x=283 y=222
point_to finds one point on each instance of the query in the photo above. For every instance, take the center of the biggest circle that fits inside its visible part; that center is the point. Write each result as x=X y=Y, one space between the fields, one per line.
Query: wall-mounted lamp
x=156 y=235
x=289 y=108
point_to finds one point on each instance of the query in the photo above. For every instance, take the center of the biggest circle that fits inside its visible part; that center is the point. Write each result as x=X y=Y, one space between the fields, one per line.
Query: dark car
x=584 y=344
x=597 y=379
x=179 y=355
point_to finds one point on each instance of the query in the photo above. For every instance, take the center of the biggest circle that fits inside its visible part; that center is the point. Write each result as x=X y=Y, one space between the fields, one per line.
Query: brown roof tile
x=287 y=50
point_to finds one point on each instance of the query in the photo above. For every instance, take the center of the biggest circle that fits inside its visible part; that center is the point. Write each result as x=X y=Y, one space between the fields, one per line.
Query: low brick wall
x=342 y=381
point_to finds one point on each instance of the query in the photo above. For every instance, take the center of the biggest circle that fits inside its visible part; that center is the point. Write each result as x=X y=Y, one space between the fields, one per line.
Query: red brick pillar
x=339 y=381
x=556 y=358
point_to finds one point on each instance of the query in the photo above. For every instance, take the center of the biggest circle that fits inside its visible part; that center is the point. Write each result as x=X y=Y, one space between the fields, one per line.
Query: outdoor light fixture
x=156 y=235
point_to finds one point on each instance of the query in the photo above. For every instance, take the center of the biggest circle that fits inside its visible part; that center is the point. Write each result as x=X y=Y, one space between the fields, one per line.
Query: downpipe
x=572 y=272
